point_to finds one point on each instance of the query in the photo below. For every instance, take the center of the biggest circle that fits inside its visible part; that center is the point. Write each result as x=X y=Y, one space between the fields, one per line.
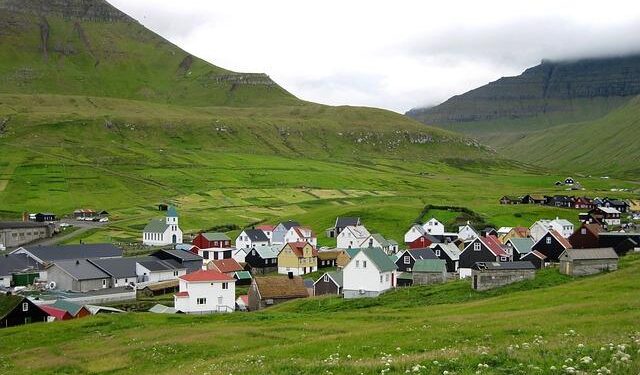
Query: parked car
x=104 y=220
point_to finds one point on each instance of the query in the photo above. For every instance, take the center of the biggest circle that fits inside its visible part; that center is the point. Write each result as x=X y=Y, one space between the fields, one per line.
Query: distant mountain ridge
x=551 y=88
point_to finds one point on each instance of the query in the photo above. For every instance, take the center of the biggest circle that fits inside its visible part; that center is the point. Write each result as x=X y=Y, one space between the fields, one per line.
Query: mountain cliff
x=88 y=47
x=556 y=89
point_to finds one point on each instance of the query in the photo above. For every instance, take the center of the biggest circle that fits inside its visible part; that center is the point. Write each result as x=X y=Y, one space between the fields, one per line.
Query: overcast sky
x=389 y=54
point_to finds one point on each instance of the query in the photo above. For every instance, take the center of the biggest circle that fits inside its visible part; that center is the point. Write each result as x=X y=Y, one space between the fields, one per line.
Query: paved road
x=83 y=226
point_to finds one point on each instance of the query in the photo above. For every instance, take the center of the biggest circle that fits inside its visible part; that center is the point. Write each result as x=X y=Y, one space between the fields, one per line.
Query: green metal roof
x=380 y=259
x=172 y=212
x=70 y=307
x=216 y=236
x=430 y=265
x=352 y=252
x=405 y=276
x=243 y=275
x=380 y=239
x=156 y=226
x=522 y=245
x=337 y=277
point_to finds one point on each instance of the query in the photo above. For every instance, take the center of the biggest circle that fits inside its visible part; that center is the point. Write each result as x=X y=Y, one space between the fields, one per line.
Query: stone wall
x=489 y=279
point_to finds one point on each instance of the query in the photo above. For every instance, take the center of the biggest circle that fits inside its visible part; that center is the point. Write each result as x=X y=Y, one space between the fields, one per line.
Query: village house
x=251 y=238
x=301 y=234
x=242 y=303
x=416 y=231
x=489 y=275
x=281 y=230
x=328 y=258
x=344 y=257
x=582 y=262
x=481 y=249
x=423 y=241
x=429 y=271
x=180 y=258
x=562 y=226
x=434 y=227
x=206 y=292
x=620 y=205
x=369 y=274
x=162 y=232
x=583 y=203
x=263 y=259
x=268 y=231
x=121 y=270
x=518 y=248
x=75 y=310
x=156 y=270
x=84 y=213
x=378 y=240
x=448 y=252
x=298 y=258
x=586 y=236
x=212 y=240
x=508 y=199
x=352 y=237
x=55 y=314
x=621 y=242
x=551 y=244
x=515 y=232
x=341 y=223
x=606 y=215
x=408 y=258
x=533 y=199
x=536 y=258
x=272 y=290
x=227 y=266
x=329 y=283
x=467 y=232
x=45 y=255
x=77 y=276
x=634 y=205
x=539 y=228
x=18 y=310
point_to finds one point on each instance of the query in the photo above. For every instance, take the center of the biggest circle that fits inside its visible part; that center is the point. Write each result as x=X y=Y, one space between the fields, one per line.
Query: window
x=357 y=264
x=583 y=231
x=175 y=273
x=364 y=264
x=380 y=278
x=477 y=246
x=326 y=278
x=104 y=283
x=201 y=301
x=25 y=306
x=548 y=240
x=409 y=269
x=503 y=259
x=407 y=259
x=437 y=252
x=387 y=277
x=225 y=286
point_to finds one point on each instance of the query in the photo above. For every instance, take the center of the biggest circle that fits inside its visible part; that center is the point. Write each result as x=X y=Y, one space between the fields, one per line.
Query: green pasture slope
x=223 y=165
x=540 y=327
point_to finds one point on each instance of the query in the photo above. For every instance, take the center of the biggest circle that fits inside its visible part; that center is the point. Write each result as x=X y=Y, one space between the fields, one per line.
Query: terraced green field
x=552 y=325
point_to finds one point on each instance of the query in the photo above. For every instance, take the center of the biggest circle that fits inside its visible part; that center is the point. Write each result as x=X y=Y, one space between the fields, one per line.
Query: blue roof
x=172 y=212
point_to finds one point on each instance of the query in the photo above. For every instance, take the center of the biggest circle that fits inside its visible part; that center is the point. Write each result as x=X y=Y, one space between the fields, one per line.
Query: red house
x=586 y=237
x=212 y=240
x=583 y=203
x=423 y=241
x=58 y=314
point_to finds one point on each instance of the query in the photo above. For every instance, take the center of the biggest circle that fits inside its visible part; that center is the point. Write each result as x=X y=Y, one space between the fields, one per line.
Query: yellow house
x=297 y=257
x=517 y=232
x=634 y=205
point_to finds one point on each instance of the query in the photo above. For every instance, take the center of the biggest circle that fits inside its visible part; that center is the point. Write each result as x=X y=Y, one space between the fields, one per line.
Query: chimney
x=25 y=216
x=290 y=275
x=77 y=262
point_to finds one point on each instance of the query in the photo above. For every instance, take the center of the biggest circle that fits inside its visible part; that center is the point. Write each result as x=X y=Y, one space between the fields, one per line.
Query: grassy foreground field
x=544 y=327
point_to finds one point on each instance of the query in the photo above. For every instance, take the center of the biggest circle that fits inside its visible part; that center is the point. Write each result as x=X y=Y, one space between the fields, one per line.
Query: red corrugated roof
x=227 y=265
x=539 y=254
x=245 y=299
x=494 y=245
x=56 y=313
x=182 y=294
x=208 y=275
x=268 y=228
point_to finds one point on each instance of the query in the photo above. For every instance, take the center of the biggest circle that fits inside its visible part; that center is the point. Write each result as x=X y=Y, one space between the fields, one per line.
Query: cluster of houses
x=272 y=260
x=579 y=203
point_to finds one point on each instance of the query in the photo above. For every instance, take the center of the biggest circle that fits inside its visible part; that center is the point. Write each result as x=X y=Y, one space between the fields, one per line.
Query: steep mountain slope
x=88 y=47
x=524 y=116
x=551 y=90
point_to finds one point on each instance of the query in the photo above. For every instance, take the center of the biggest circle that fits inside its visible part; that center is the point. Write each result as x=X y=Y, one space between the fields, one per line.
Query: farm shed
x=429 y=271
x=489 y=275
x=582 y=262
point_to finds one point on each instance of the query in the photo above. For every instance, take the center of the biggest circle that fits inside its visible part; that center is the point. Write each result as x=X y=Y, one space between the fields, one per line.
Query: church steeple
x=172 y=216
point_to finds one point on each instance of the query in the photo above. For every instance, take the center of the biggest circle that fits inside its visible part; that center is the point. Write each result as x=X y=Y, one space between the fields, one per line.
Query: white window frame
x=548 y=240
x=25 y=306
x=477 y=246
x=201 y=301
x=326 y=278
x=437 y=252
x=225 y=286
x=407 y=259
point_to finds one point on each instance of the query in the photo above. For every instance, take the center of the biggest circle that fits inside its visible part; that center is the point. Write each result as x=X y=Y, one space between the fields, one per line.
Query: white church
x=162 y=232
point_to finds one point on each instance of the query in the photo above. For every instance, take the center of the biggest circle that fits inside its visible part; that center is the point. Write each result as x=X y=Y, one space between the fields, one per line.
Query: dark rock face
x=546 y=88
x=87 y=10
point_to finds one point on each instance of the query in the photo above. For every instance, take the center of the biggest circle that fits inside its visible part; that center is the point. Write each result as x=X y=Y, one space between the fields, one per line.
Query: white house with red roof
x=206 y=292
x=301 y=234
x=268 y=231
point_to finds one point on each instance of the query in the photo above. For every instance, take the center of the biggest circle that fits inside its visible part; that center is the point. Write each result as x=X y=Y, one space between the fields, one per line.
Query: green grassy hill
x=541 y=327
x=76 y=47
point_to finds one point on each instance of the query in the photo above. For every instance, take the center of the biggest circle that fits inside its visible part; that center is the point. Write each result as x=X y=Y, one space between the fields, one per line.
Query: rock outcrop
x=551 y=87
x=86 y=10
